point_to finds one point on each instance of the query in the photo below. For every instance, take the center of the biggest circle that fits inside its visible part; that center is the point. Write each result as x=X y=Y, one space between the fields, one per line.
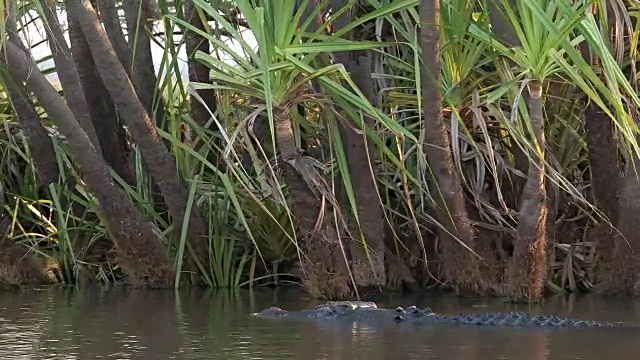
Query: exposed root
x=141 y=255
x=99 y=254
x=18 y=266
x=398 y=274
x=324 y=269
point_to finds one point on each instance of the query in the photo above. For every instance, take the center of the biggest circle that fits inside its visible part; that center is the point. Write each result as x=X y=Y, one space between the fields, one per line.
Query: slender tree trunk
x=461 y=267
x=37 y=136
x=367 y=256
x=198 y=72
x=526 y=272
x=157 y=156
x=623 y=276
x=202 y=108
x=137 y=71
x=109 y=130
x=67 y=72
x=324 y=256
x=324 y=261
x=606 y=180
x=138 y=13
x=111 y=134
x=500 y=22
x=113 y=28
x=369 y=261
x=140 y=252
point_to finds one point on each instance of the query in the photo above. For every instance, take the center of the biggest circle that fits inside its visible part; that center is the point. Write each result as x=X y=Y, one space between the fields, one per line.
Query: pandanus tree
x=277 y=81
x=535 y=58
x=548 y=33
x=140 y=251
x=497 y=104
x=458 y=257
x=137 y=115
x=131 y=233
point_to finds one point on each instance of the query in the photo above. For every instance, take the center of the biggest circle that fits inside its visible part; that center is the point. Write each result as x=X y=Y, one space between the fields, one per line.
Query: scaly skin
x=360 y=311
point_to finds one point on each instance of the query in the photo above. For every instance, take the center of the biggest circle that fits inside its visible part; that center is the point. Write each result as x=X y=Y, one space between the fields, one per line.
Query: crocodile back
x=522 y=319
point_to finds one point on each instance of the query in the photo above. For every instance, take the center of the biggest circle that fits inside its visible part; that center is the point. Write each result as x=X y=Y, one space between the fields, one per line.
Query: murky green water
x=127 y=324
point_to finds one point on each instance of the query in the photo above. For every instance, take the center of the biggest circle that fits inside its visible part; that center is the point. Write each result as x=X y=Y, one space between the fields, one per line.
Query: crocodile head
x=329 y=309
x=272 y=312
x=339 y=308
x=351 y=305
x=412 y=313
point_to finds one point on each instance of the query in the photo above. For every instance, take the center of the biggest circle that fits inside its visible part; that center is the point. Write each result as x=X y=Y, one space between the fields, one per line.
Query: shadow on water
x=120 y=323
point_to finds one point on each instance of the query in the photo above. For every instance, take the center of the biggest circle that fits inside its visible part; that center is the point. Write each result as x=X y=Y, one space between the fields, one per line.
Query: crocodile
x=369 y=312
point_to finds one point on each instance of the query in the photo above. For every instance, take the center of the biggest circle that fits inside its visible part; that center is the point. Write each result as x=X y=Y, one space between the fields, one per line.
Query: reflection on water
x=133 y=324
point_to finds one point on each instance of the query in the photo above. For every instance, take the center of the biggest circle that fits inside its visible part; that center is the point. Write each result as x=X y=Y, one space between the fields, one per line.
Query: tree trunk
x=37 y=136
x=110 y=132
x=161 y=163
x=623 y=277
x=198 y=72
x=460 y=265
x=526 y=272
x=113 y=28
x=605 y=171
x=323 y=259
x=143 y=76
x=67 y=73
x=140 y=252
x=367 y=262
x=138 y=14
x=368 y=248
x=500 y=22
x=606 y=179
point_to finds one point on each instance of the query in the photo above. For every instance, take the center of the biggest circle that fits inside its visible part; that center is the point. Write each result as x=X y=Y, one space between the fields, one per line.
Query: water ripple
x=123 y=324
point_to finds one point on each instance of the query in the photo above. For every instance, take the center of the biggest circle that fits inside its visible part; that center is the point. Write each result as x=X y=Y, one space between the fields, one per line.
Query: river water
x=196 y=324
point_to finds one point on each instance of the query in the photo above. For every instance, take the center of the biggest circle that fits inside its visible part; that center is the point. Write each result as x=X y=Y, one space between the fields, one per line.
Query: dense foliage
x=486 y=145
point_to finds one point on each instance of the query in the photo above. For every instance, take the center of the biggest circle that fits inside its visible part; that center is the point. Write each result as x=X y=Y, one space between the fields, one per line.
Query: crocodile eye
x=371 y=304
x=271 y=312
x=400 y=310
x=414 y=311
x=325 y=309
x=398 y=318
